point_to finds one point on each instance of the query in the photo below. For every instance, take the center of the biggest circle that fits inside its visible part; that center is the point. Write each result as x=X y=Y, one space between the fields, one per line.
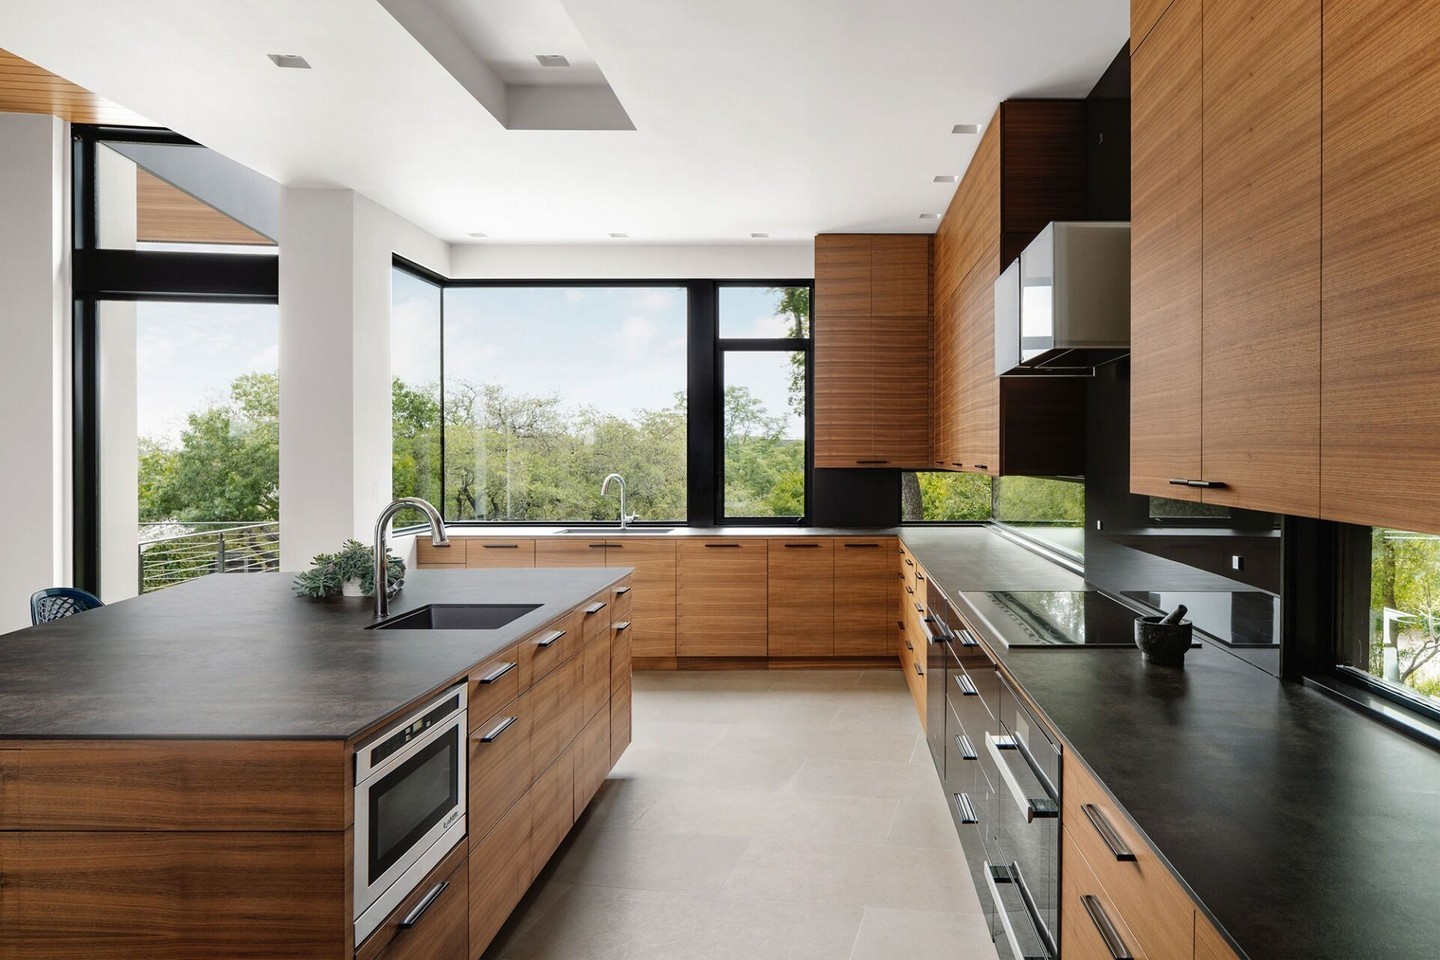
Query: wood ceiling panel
x=166 y=214
x=26 y=88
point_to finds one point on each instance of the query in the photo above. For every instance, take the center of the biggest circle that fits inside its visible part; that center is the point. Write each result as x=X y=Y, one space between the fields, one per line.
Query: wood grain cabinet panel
x=900 y=391
x=864 y=595
x=545 y=649
x=500 y=769
x=493 y=685
x=569 y=552
x=802 y=597
x=485 y=552
x=594 y=666
x=723 y=597
x=1261 y=254
x=555 y=709
x=1210 y=944
x=173 y=896
x=1380 y=447
x=552 y=801
x=653 y=614
x=620 y=679
x=843 y=268
x=900 y=275
x=1143 y=16
x=500 y=871
x=442 y=931
x=455 y=554
x=843 y=398
x=592 y=759
x=1165 y=256
x=1080 y=930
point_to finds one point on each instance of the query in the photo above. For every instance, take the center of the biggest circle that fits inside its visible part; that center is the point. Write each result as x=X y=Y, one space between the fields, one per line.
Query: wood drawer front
x=620 y=656
x=569 y=552
x=495 y=683
x=483 y=552
x=1080 y=936
x=500 y=766
x=652 y=562
x=595 y=617
x=553 y=802
x=619 y=724
x=442 y=931
x=622 y=602
x=1158 y=910
x=543 y=651
x=175 y=785
x=499 y=874
x=592 y=758
x=154 y=895
x=429 y=555
x=1210 y=944
x=594 y=666
x=555 y=707
x=801 y=597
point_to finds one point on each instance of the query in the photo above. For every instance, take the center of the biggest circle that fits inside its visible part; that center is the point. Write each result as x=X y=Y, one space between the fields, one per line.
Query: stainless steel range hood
x=1063 y=308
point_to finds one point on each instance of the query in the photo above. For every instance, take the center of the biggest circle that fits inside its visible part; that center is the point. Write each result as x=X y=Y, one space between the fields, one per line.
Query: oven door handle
x=994 y=876
x=1032 y=807
x=413 y=917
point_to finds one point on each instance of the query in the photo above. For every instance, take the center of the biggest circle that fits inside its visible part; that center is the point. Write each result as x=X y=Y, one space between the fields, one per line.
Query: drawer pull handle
x=909 y=562
x=966 y=748
x=622 y=625
x=621 y=591
x=909 y=646
x=864 y=463
x=802 y=546
x=909 y=589
x=900 y=574
x=919 y=576
x=920 y=608
x=722 y=546
x=1034 y=808
x=594 y=608
x=413 y=917
x=1102 y=826
x=967 y=639
x=598 y=546
x=497 y=673
x=982 y=466
x=1201 y=484
x=918 y=671
x=966 y=809
x=1108 y=933
x=493 y=734
x=996 y=874
x=861 y=546
x=967 y=686
x=500 y=546
x=556 y=635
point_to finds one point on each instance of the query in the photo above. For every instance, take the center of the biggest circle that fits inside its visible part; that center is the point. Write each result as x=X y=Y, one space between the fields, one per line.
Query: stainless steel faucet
x=605 y=488
x=437 y=537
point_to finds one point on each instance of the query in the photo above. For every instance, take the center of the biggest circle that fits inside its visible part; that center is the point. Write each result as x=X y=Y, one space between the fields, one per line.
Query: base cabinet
x=433 y=922
x=722 y=598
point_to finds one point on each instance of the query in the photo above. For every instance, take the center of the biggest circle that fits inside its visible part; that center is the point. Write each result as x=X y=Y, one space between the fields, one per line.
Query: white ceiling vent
x=552 y=60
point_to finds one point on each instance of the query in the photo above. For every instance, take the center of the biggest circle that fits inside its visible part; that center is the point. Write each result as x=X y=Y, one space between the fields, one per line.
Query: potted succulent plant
x=350 y=572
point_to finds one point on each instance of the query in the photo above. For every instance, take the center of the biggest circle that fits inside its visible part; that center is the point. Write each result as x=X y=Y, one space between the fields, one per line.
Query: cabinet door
x=1261 y=257
x=802 y=597
x=555 y=710
x=842 y=389
x=864 y=596
x=485 y=552
x=944 y=395
x=500 y=864
x=553 y=802
x=900 y=391
x=569 y=552
x=620 y=676
x=979 y=410
x=723 y=598
x=900 y=275
x=1165 y=347
x=442 y=930
x=594 y=667
x=1081 y=936
x=1143 y=15
x=1380 y=452
x=499 y=764
x=592 y=757
x=842 y=274
x=430 y=557
x=653 y=615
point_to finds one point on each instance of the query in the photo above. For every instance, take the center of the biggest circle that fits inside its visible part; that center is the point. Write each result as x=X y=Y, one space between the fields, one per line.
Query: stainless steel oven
x=409 y=805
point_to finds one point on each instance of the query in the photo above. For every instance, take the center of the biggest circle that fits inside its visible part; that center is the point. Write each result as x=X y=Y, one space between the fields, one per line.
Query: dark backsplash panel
x=855 y=498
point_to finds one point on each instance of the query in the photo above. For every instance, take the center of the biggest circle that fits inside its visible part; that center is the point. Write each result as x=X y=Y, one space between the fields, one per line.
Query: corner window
x=944 y=497
x=1042 y=508
x=1401 y=646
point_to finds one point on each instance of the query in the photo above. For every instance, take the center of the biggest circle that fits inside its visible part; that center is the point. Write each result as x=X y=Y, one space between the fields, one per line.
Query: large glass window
x=547 y=389
x=936 y=497
x=415 y=398
x=763 y=341
x=1402 y=644
x=1046 y=509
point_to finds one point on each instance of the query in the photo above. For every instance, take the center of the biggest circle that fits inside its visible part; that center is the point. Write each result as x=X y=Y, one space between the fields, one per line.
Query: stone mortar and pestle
x=1164 y=640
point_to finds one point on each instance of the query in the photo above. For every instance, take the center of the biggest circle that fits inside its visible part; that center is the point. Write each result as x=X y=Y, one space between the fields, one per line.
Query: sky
x=619 y=349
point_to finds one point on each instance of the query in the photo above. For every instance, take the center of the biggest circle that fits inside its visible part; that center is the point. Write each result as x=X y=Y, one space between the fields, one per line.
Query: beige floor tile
x=887 y=716
x=582 y=923
x=770 y=814
x=705 y=706
x=893 y=679
x=887 y=934
x=653 y=729
x=806 y=742
x=923 y=823
x=646 y=860
x=893 y=779
x=735 y=770
x=854 y=874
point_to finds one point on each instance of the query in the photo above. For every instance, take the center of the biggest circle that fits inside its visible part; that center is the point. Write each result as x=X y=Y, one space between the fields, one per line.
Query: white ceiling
x=788 y=117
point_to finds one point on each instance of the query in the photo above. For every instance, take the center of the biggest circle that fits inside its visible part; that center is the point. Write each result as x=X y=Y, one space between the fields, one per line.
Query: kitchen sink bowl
x=457 y=616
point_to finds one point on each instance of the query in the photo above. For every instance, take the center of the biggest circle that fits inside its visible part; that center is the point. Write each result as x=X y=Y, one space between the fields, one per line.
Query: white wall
x=34 y=353
x=335 y=448
x=623 y=260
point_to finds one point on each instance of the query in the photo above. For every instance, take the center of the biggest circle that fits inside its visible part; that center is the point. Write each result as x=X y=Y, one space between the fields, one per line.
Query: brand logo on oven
x=455 y=815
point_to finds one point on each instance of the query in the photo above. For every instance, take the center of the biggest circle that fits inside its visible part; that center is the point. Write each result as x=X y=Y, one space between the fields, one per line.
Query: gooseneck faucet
x=437 y=537
x=605 y=488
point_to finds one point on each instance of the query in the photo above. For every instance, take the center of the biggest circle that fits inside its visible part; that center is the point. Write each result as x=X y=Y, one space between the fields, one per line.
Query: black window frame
x=98 y=274
x=704 y=490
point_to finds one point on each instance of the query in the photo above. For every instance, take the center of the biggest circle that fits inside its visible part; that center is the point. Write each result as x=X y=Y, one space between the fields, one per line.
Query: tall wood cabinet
x=1028 y=169
x=872 y=350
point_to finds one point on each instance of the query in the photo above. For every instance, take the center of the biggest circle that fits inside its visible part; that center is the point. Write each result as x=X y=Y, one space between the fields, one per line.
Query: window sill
x=1377 y=706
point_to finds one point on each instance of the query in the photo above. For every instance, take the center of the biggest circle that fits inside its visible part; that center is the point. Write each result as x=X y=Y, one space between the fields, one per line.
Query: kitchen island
x=178 y=772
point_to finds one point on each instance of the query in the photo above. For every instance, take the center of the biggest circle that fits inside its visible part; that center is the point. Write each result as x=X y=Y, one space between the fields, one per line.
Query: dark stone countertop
x=1304 y=828
x=599 y=531
x=239 y=656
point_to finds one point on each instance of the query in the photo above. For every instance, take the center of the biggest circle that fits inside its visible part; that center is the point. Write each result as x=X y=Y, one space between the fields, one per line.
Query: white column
x=34 y=361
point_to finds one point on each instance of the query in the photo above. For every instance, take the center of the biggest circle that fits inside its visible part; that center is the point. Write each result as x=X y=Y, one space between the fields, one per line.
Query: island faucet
x=605 y=488
x=437 y=537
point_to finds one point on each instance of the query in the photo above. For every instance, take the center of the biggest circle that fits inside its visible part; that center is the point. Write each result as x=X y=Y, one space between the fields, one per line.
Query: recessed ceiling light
x=947 y=178
x=618 y=236
x=552 y=60
x=292 y=60
x=965 y=128
x=478 y=236
x=929 y=216
x=759 y=236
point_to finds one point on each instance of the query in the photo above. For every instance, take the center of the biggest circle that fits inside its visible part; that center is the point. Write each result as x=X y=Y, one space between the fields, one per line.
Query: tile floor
x=761 y=814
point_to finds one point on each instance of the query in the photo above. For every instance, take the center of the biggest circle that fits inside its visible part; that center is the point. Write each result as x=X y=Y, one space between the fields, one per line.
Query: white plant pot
x=351 y=588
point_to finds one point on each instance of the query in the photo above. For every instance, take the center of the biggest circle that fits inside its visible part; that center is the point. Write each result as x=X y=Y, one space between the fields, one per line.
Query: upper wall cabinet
x=1028 y=169
x=872 y=350
x=1380 y=405
x=1143 y=16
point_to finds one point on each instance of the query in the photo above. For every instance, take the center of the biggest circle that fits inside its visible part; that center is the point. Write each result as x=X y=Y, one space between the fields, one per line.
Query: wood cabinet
x=872 y=350
x=500 y=872
x=723 y=597
x=620 y=677
x=652 y=559
x=864 y=596
x=441 y=929
x=1143 y=14
x=499 y=761
x=802 y=597
x=499 y=553
x=1380 y=411
x=1028 y=169
x=1088 y=915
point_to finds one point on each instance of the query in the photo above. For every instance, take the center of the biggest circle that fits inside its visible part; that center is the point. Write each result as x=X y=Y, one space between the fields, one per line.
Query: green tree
x=1405 y=576
x=793 y=303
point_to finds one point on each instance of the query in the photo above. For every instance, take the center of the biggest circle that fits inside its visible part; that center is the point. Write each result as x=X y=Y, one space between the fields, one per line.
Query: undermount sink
x=457 y=616
x=616 y=531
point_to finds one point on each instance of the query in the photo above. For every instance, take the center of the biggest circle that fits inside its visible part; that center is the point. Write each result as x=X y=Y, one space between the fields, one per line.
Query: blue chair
x=56 y=603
